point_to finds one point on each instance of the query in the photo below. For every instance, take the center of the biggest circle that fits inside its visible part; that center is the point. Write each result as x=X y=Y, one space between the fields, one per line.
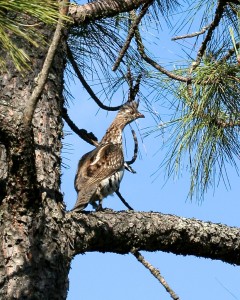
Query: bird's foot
x=99 y=207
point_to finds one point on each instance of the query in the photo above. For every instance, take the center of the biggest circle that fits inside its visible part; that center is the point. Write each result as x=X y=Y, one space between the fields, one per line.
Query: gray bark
x=120 y=232
x=34 y=262
x=101 y=9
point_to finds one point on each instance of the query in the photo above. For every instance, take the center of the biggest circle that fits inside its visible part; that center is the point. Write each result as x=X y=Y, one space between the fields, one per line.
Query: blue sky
x=111 y=276
x=108 y=276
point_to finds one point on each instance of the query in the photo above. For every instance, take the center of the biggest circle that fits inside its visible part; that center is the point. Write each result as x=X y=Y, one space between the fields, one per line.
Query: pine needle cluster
x=13 y=24
x=207 y=121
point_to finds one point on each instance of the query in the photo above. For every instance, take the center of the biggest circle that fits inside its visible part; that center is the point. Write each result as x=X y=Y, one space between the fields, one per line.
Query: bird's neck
x=114 y=132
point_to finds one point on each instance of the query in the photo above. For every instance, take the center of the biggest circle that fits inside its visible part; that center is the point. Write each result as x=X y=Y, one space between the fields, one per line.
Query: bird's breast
x=109 y=185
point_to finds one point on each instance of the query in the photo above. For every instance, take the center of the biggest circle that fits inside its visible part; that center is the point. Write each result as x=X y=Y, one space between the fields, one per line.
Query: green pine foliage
x=12 y=24
x=207 y=125
x=203 y=129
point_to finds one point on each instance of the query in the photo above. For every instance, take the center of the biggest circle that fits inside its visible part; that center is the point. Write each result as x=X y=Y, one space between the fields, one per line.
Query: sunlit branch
x=187 y=36
x=96 y=10
x=155 y=272
x=155 y=64
x=85 y=84
x=131 y=34
x=154 y=232
x=43 y=75
x=212 y=27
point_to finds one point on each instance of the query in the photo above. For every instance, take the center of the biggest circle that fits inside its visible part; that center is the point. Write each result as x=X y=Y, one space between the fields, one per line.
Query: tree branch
x=187 y=36
x=132 y=161
x=155 y=64
x=212 y=27
x=131 y=34
x=123 y=200
x=214 y=120
x=229 y=53
x=82 y=133
x=85 y=84
x=101 y=9
x=43 y=75
x=225 y=124
x=123 y=231
x=133 y=88
x=156 y=273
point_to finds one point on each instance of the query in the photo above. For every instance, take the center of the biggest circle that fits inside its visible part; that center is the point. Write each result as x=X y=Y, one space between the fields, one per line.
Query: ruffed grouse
x=100 y=171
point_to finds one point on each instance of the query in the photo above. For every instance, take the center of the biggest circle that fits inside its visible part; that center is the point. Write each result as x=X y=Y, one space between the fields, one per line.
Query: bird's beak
x=140 y=115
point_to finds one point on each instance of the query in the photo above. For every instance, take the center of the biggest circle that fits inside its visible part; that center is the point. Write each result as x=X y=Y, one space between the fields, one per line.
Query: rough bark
x=120 y=232
x=34 y=262
x=102 y=9
x=3 y=171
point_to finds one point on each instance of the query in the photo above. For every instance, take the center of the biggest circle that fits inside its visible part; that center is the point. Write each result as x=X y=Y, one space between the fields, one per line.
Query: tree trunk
x=34 y=262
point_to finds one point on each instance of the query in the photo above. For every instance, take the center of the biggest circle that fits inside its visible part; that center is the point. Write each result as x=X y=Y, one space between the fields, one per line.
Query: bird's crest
x=130 y=109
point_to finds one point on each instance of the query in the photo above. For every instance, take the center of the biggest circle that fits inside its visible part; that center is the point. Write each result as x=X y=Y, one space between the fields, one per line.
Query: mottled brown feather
x=94 y=167
x=100 y=170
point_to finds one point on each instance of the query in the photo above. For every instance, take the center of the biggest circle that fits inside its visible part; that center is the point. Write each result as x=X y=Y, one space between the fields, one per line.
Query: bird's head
x=129 y=112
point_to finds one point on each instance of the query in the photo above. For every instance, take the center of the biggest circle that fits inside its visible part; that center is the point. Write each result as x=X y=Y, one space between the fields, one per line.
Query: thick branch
x=120 y=232
x=101 y=9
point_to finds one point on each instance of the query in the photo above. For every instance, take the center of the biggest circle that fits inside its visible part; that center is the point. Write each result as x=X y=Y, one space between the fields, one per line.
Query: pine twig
x=153 y=63
x=133 y=88
x=86 y=85
x=82 y=133
x=131 y=34
x=229 y=53
x=129 y=168
x=187 y=36
x=130 y=162
x=43 y=75
x=218 y=15
x=221 y=123
x=123 y=200
x=155 y=272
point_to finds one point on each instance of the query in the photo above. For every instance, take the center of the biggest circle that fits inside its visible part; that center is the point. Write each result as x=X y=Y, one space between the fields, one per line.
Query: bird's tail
x=80 y=204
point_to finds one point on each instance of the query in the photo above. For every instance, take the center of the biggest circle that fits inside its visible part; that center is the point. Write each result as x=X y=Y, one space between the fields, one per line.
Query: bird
x=101 y=170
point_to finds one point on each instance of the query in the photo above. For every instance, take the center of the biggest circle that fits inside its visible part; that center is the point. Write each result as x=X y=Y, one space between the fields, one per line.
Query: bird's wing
x=94 y=167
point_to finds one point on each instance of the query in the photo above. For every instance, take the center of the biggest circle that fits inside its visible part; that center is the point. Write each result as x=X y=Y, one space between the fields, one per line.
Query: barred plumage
x=100 y=171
